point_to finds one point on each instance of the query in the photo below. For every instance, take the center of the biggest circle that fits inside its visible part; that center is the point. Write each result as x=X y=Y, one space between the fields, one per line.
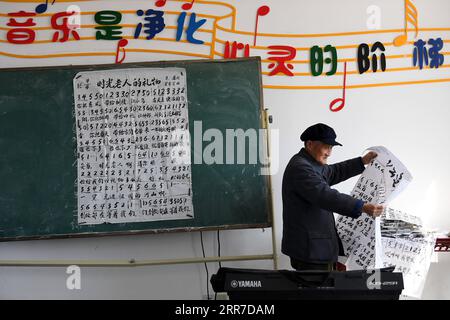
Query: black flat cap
x=320 y=132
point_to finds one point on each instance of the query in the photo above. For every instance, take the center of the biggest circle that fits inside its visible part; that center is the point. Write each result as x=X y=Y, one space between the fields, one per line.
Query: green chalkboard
x=38 y=152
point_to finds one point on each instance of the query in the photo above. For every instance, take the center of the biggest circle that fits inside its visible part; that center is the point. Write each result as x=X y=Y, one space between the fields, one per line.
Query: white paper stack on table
x=408 y=247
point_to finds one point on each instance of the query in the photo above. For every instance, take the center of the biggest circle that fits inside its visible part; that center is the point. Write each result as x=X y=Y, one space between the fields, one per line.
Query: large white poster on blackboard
x=133 y=145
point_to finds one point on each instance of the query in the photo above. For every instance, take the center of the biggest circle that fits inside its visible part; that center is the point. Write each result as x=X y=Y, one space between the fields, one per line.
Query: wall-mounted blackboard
x=38 y=158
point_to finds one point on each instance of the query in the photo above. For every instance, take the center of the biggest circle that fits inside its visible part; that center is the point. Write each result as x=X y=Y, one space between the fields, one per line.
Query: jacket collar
x=303 y=153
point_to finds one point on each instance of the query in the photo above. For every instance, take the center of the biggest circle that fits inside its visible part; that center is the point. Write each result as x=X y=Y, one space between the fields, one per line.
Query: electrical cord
x=218 y=247
x=206 y=267
x=218 y=253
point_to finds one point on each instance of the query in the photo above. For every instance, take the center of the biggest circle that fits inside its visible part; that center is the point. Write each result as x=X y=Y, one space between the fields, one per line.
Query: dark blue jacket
x=309 y=231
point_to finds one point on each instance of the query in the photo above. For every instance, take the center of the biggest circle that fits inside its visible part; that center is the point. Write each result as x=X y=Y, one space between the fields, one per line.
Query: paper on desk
x=411 y=257
x=407 y=247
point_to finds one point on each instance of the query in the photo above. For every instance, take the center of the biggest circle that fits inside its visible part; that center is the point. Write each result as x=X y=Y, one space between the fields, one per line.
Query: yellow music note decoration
x=411 y=17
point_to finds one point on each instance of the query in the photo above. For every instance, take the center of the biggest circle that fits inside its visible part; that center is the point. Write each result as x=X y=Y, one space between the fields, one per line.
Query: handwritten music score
x=121 y=45
x=383 y=179
x=411 y=17
x=141 y=178
x=341 y=100
x=43 y=7
x=262 y=11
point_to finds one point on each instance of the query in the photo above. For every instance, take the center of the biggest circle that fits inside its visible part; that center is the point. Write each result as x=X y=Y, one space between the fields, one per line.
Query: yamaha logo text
x=246 y=284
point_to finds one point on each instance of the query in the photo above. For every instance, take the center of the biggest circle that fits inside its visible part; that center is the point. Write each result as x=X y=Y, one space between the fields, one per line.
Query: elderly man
x=310 y=238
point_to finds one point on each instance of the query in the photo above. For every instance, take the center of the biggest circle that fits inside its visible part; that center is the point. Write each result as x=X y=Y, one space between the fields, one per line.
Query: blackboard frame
x=263 y=124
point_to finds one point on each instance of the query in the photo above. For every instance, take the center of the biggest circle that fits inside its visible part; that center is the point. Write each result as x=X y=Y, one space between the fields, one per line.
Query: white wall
x=411 y=120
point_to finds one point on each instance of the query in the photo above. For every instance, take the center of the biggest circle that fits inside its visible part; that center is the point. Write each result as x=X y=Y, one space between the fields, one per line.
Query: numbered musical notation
x=358 y=235
x=380 y=182
x=133 y=146
x=358 y=240
x=412 y=257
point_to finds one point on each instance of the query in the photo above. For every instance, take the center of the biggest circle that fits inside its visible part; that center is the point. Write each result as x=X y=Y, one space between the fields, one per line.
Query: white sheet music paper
x=411 y=257
x=407 y=247
x=396 y=176
x=397 y=215
x=380 y=182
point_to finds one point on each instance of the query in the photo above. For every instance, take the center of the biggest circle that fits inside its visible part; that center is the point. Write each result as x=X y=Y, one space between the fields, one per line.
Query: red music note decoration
x=262 y=11
x=341 y=100
x=160 y=3
x=121 y=44
x=188 y=6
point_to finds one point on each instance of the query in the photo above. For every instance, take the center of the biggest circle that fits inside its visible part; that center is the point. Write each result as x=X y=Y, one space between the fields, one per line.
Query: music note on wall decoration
x=188 y=6
x=340 y=106
x=160 y=3
x=121 y=44
x=411 y=16
x=41 y=8
x=262 y=11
